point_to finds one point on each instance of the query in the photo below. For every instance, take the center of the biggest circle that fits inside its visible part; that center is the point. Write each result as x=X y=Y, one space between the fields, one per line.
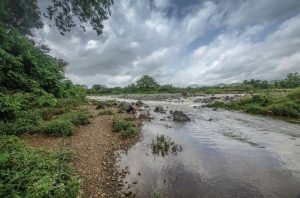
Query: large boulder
x=159 y=109
x=179 y=116
x=123 y=105
x=102 y=105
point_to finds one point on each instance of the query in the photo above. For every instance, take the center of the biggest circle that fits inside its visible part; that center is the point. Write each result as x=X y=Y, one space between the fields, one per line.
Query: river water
x=225 y=154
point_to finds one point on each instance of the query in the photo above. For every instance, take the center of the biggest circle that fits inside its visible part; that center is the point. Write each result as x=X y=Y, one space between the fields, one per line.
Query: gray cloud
x=254 y=39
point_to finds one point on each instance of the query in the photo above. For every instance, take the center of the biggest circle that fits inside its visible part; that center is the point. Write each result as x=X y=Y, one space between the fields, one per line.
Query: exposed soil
x=95 y=147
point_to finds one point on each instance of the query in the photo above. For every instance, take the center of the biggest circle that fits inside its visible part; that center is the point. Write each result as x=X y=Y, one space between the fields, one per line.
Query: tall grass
x=124 y=125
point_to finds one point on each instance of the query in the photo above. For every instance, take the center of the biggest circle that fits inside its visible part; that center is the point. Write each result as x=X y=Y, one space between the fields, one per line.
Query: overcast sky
x=184 y=42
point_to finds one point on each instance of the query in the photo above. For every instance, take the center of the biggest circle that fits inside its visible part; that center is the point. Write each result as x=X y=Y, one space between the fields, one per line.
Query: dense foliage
x=24 y=67
x=27 y=172
x=35 y=98
x=34 y=92
x=26 y=14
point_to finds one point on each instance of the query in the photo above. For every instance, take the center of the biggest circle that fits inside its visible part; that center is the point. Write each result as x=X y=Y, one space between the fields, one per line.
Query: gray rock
x=124 y=105
x=179 y=116
x=159 y=109
x=102 y=105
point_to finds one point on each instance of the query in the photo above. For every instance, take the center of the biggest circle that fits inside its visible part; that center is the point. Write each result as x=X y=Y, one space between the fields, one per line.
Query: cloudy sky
x=184 y=42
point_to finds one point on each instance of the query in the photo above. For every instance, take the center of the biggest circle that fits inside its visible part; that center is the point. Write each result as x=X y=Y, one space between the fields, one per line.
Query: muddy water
x=225 y=154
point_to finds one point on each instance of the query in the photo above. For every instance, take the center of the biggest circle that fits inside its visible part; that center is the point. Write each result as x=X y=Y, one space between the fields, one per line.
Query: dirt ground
x=95 y=147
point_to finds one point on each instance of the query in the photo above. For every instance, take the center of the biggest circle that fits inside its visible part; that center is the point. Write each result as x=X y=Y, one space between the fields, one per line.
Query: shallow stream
x=225 y=154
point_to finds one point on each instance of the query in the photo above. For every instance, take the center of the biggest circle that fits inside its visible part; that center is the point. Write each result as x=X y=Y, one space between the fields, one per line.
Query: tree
x=25 y=14
x=264 y=84
x=292 y=80
x=147 y=83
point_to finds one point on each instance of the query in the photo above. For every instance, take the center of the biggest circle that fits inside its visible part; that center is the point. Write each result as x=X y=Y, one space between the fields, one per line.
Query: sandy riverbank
x=94 y=148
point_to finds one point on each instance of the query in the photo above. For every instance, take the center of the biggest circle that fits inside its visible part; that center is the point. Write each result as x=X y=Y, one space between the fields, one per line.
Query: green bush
x=47 y=100
x=125 y=127
x=25 y=122
x=285 y=108
x=9 y=107
x=294 y=95
x=27 y=172
x=261 y=99
x=58 y=127
x=254 y=108
x=80 y=117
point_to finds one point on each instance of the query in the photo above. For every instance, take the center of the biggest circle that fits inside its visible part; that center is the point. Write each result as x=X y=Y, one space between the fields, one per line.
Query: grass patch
x=108 y=111
x=28 y=172
x=163 y=145
x=124 y=125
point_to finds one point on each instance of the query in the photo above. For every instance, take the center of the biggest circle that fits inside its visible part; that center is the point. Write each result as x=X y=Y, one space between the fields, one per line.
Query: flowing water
x=225 y=154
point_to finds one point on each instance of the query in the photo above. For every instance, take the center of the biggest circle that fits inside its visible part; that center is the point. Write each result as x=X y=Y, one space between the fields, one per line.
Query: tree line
x=147 y=84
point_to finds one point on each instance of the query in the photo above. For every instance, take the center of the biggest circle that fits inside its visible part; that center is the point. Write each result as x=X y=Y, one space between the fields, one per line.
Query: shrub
x=125 y=127
x=253 y=108
x=26 y=122
x=285 y=108
x=9 y=107
x=294 y=95
x=28 y=172
x=261 y=99
x=58 y=127
x=80 y=117
x=47 y=100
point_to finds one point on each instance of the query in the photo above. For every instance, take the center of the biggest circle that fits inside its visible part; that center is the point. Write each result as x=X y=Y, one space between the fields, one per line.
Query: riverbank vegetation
x=284 y=104
x=35 y=98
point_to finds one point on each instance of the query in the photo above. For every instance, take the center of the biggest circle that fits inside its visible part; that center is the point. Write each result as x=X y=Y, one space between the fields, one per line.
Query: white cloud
x=234 y=57
x=248 y=39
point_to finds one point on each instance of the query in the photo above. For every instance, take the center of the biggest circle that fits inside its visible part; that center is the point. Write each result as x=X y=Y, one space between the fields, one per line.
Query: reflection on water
x=225 y=154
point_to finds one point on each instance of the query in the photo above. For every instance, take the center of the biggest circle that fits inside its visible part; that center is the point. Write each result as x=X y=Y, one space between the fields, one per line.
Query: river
x=225 y=154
